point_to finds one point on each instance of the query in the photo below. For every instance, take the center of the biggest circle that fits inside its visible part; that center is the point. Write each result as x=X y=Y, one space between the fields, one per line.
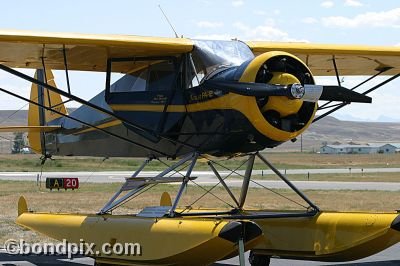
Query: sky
x=367 y=22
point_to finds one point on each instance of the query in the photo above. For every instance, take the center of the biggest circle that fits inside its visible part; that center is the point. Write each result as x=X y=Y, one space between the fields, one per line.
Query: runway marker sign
x=62 y=183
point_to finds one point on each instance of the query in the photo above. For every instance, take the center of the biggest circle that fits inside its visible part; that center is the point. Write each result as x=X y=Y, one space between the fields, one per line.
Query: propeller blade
x=341 y=94
x=248 y=89
x=308 y=92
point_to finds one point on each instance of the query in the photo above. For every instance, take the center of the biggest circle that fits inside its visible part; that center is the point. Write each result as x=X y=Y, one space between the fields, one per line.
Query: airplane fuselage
x=166 y=104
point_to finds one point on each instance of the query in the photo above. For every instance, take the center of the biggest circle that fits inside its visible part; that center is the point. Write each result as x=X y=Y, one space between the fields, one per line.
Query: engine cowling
x=277 y=93
x=287 y=116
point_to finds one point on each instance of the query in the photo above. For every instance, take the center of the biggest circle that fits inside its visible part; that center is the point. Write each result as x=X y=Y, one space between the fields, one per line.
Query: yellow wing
x=87 y=52
x=350 y=59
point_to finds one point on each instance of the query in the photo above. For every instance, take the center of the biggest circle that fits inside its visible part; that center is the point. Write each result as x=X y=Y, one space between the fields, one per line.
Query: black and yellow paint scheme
x=196 y=240
x=162 y=98
x=186 y=102
x=211 y=100
x=178 y=96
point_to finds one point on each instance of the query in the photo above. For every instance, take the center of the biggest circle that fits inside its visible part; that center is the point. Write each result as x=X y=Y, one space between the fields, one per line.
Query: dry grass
x=366 y=177
x=91 y=197
x=314 y=160
x=29 y=162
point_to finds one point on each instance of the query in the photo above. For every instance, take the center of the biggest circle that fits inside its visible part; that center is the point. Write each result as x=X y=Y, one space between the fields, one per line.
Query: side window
x=196 y=80
x=161 y=76
x=194 y=74
x=155 y=75
x=132 y=82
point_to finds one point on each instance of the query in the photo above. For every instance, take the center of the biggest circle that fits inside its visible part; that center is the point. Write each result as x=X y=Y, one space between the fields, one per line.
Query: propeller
x=307 y=92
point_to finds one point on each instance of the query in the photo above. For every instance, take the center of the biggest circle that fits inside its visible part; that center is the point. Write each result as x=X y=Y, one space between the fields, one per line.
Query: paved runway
x=107 y=176
x=389 y=257
x=208 y=178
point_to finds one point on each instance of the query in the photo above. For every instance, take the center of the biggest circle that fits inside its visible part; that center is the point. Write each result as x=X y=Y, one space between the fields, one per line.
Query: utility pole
x=301 y=143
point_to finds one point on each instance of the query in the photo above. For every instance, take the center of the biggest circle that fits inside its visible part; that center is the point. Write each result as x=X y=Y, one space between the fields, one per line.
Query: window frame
x=110 y=61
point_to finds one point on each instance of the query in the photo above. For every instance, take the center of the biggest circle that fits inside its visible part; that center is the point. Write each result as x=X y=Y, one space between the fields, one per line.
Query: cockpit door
x=150 y=95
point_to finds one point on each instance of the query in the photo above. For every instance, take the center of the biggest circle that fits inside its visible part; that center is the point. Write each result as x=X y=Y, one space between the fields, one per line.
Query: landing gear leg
x=259 y=260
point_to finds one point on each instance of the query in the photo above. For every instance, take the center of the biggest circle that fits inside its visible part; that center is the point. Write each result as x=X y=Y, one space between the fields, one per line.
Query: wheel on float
x=259 y=260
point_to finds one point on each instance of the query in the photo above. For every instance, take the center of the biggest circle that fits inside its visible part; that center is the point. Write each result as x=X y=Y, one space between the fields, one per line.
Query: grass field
x=366 y=177
x=91 y=197
x=31 y=163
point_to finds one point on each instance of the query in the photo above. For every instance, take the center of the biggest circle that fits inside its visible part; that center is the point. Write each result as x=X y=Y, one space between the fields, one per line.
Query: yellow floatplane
x=202 y=240
x=187 y=99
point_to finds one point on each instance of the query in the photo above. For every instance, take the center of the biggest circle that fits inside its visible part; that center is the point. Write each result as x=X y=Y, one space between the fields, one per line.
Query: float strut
x=287 y=181
x=185 y=180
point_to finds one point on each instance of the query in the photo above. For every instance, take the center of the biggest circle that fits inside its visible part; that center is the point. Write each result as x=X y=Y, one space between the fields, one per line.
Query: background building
x=360 y=149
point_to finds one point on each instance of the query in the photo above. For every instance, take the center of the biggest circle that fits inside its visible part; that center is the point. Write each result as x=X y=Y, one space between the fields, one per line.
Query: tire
x=259 y=260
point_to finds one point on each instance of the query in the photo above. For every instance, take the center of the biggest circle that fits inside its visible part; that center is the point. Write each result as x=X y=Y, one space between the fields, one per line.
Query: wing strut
x=66 y=69
x=44 y=79
x=337 y=107
x=336 y=71
x=341 y=105
x=42 y=117
x=324 y=106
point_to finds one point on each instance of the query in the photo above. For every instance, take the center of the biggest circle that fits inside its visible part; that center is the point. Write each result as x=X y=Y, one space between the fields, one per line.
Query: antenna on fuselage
x=172 y=27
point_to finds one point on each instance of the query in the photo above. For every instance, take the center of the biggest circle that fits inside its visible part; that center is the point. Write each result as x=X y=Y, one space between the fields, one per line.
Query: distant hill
x=12 y=117
x=331 y=128
x=328 y=129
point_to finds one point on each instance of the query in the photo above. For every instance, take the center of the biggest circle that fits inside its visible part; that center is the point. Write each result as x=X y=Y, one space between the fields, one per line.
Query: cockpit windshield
x=209 y=56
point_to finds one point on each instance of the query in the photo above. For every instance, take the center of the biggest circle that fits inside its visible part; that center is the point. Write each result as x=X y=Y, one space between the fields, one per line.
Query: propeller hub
x=297 y=91
x=282 y=104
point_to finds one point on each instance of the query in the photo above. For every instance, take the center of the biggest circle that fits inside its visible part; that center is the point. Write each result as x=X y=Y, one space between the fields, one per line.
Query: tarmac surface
x=207 y=178
x=389 y=257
